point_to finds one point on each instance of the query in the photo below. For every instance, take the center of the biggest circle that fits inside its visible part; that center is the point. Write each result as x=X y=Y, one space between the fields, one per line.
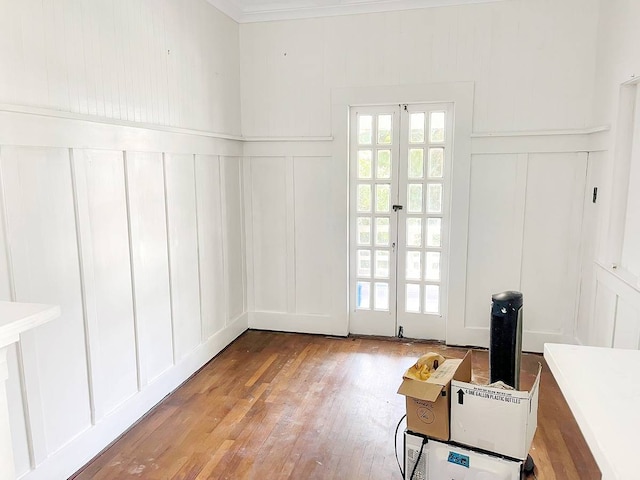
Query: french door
x=400 y=169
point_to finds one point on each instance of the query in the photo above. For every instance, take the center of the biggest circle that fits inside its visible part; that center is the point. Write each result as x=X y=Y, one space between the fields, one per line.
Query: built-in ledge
x=602 y=388
x=15 y=318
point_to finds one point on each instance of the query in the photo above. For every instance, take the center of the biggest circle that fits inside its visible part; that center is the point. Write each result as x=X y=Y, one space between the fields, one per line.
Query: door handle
x=396 y=208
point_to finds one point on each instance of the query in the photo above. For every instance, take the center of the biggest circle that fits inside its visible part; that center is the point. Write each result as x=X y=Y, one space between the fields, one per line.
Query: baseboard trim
x=298 y=323
x=78 y=452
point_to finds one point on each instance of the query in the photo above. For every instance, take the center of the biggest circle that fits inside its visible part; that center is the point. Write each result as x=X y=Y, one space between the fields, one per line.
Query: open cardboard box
x=493 y=419
x=428 y=402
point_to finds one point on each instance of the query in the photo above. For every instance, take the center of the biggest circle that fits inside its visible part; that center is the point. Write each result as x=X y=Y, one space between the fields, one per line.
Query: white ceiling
x=247 y=11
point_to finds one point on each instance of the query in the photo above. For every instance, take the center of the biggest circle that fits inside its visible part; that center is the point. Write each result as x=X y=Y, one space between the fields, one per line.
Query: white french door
x=400 y=169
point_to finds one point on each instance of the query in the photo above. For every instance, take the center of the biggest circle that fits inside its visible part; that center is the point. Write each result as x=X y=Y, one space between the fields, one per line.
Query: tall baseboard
x=299 y=323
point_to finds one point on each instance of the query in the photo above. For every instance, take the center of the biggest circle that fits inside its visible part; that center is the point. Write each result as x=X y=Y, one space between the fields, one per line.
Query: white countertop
x=16 y=318
x=602 y=388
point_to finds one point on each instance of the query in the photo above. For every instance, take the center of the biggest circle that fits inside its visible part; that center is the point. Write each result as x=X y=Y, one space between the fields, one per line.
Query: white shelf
x=602 y=388
x=16 y=318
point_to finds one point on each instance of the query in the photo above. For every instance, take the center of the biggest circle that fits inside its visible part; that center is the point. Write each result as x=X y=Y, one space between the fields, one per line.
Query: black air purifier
x=505 y=351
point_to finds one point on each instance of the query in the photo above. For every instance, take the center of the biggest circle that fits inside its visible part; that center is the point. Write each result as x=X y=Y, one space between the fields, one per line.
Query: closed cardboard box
x=494 y=419
x=428 y=401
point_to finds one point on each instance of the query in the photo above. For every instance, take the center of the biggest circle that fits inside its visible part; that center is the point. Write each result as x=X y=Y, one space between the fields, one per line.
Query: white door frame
x=461 y=95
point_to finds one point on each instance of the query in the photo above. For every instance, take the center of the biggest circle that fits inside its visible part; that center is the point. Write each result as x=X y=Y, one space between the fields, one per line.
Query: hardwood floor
x=278 y=405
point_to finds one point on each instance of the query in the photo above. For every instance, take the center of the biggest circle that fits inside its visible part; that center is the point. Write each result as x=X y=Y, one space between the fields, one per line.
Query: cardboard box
x=493 y=419
x=428 y=402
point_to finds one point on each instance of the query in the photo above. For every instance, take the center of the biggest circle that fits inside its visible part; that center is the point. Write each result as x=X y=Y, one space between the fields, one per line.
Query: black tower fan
x=505 y=345
x=505 y=351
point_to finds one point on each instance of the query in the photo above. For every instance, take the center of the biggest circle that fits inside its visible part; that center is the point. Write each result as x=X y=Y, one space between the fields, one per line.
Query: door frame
x=461 y=94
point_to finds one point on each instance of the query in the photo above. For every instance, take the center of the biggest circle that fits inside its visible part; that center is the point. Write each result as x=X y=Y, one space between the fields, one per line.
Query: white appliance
x=445 y=461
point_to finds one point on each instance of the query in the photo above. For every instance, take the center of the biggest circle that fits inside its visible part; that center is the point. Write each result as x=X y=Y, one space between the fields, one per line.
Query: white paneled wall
x=133 y=245
x=271 y=242
x=149 y=263
x=525 y=226
x=44 y=268
x=121 y=201
x=496 y=224
x=182 y=230
x=295 y=243
x=532 y=68
x=210 y=244
x=105 y=259
x=161 y=62
x=610 y=299
x=233 y=230
x=552 y=241
x=315 y=213
x=115 y=214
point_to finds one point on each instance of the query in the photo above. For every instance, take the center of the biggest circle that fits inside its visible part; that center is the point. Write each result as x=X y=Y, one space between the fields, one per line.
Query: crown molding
x=292 y=10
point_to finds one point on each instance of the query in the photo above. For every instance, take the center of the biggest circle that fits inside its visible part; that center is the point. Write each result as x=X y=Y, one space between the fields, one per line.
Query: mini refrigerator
x=447 y=461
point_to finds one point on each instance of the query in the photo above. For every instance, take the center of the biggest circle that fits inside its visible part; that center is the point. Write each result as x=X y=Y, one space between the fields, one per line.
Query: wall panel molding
x=45 y=130
x=144 y=180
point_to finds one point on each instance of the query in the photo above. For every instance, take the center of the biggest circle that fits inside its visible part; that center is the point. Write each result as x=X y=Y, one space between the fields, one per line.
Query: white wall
x=531 y=64
x=116 y=206
x=162 y=62
x=612 y=304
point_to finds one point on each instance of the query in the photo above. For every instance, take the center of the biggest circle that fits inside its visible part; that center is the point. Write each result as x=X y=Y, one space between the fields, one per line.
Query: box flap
x=463 y=373
x=445 y=372
x=422 y=390
x=536 y=384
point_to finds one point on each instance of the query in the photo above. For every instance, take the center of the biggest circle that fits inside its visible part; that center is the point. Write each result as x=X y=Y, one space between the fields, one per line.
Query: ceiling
x=247 y=11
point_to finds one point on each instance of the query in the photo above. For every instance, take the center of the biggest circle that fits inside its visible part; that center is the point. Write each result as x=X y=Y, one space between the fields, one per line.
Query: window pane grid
x=425 y=177
x=422 y=255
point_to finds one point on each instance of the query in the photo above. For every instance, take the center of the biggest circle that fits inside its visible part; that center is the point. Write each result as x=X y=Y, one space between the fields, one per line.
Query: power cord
x=396 y=444
x=424 y=441
x=415 y=466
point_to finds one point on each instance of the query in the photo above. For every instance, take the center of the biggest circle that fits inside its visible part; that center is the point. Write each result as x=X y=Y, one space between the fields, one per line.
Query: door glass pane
x=433 y=232
x=382 y=231
x=364 y=231
x=412 y=300
x=431 y=299
x=362 y=295
x=434 y=198
x=413 y=270
x=383 y=165
x=432 y=266
x=364 y=163
x=364 y=129
x=381 y=299
x=436 y=162
x=414 y=198
x=384 y=129
x=416 y=163
x=382 y=198
x=414 y=232
x=436 y=127
x=364 y=263
x=416 y=134
x=364 y=198
x=382 y=264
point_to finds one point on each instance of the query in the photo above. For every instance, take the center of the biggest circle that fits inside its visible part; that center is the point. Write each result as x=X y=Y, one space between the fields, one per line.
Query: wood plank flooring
x=279 y=405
